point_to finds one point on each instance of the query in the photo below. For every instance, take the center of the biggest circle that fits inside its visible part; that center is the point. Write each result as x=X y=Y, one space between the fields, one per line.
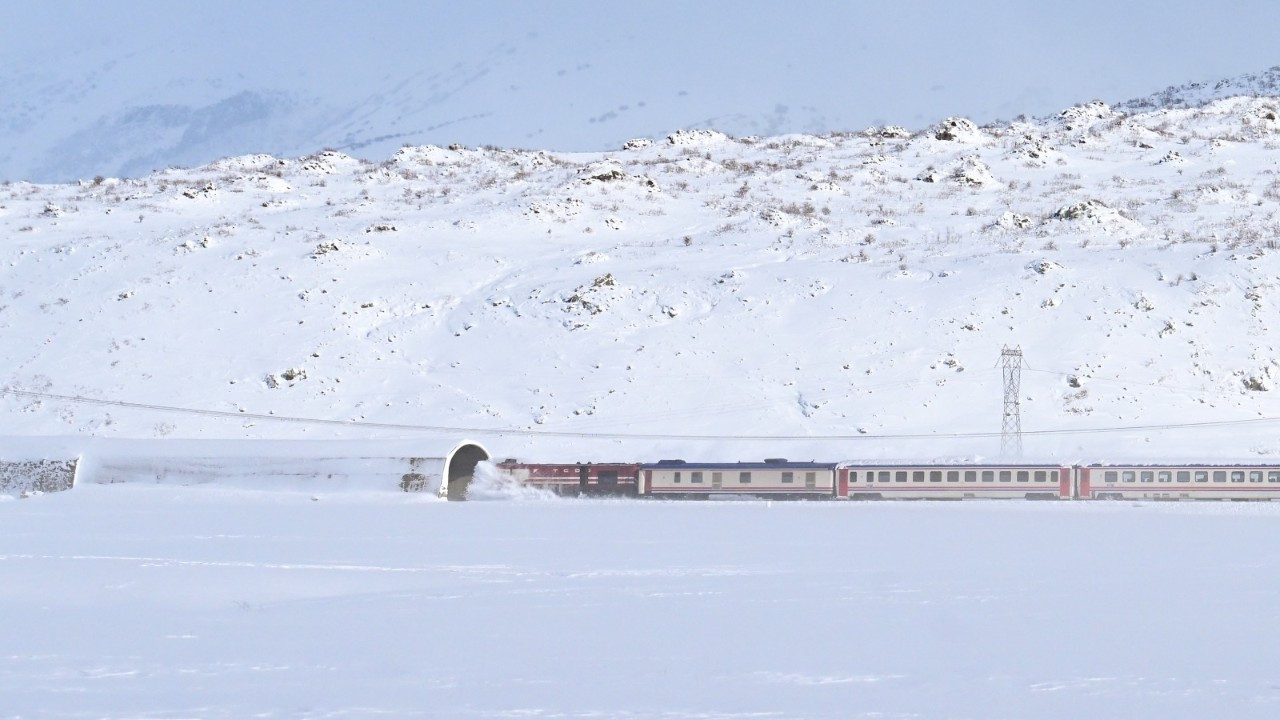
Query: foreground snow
x=156 y=601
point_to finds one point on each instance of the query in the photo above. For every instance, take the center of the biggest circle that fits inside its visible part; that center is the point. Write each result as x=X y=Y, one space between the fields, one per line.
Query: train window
x=917 y=476
x=1255 y=476
x=1023 y=476
x=884 y=476
x=1148 y=476
x=1128 y=475
x=953 y=476
x=988 y=476
x=1041 y=476
x=1053 y=475
x=1109 y=476
x=1164 y=476
x=1237 y=476
x=677 y=476
x=1219 y=475
x=787 y=477
x=1202 y=476
x=900 y=476
x=695 y=477
x=744 y=477
x=935 y=476
x=1184 y=476
x=1006 y=476
x=1273 y=476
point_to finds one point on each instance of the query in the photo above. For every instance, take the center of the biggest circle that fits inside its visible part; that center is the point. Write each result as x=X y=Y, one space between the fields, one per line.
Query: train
x=779 y=478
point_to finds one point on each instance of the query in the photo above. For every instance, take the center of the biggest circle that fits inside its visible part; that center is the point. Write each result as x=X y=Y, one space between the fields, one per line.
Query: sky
x=570 y=75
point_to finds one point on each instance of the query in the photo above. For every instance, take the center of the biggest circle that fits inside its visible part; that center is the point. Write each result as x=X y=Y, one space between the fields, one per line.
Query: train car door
x=717 y=480
x=608 y=480
x=584 y=472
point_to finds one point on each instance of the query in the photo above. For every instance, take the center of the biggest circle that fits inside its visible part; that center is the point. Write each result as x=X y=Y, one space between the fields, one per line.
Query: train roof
x=765 y=465
x=942 y=465
x=1195 y=464
x=592 y=464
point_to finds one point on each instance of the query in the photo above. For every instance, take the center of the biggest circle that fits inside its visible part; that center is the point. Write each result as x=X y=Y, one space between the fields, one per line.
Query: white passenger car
x=775 y=477
x=866 y=481
x=1179 y=482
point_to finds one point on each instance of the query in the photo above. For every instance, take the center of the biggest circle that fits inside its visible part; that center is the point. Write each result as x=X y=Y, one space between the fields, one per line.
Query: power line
x=618 y=436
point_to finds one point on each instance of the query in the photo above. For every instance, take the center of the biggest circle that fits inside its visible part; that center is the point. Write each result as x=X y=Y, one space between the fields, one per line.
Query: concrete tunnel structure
x=442 y=469
x=450 y=475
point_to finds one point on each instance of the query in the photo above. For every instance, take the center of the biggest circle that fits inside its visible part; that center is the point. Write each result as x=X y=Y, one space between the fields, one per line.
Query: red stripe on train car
x=1041 y=487
x=1167 y=488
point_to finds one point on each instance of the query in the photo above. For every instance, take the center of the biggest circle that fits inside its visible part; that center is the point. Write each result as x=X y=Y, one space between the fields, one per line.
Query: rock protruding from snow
x=422 y=155
x=612 y=172
x=972 y=172
x=1013 y=221
x=1086 y=210
x=1260 y=381
x=327 y=162
x=958 y=129
x=891 y=132
x=697 y=137
x=1078 y=116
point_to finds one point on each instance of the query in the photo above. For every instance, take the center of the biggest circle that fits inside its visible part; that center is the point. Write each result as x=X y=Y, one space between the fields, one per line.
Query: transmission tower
x=1011 y=429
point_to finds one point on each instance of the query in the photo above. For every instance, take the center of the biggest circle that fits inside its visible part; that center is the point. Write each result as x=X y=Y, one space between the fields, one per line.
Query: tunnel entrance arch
x=459 y=468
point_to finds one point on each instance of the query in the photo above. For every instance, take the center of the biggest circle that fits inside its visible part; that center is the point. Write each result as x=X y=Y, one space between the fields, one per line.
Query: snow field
x=154 y=601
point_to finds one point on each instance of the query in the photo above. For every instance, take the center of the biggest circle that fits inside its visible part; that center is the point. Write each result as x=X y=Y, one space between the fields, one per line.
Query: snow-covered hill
x=1199 y=94
x=856 y=284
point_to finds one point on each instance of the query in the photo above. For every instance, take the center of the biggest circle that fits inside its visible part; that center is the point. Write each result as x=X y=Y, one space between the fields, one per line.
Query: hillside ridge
x=843 y=286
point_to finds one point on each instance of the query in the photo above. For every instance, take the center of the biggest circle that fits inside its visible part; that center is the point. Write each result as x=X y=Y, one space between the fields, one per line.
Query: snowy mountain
x=125 y=109
x=855 y=289
x=126 y=88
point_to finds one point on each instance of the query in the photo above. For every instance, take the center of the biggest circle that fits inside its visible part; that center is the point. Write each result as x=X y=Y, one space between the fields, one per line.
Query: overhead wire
x=534 y=432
